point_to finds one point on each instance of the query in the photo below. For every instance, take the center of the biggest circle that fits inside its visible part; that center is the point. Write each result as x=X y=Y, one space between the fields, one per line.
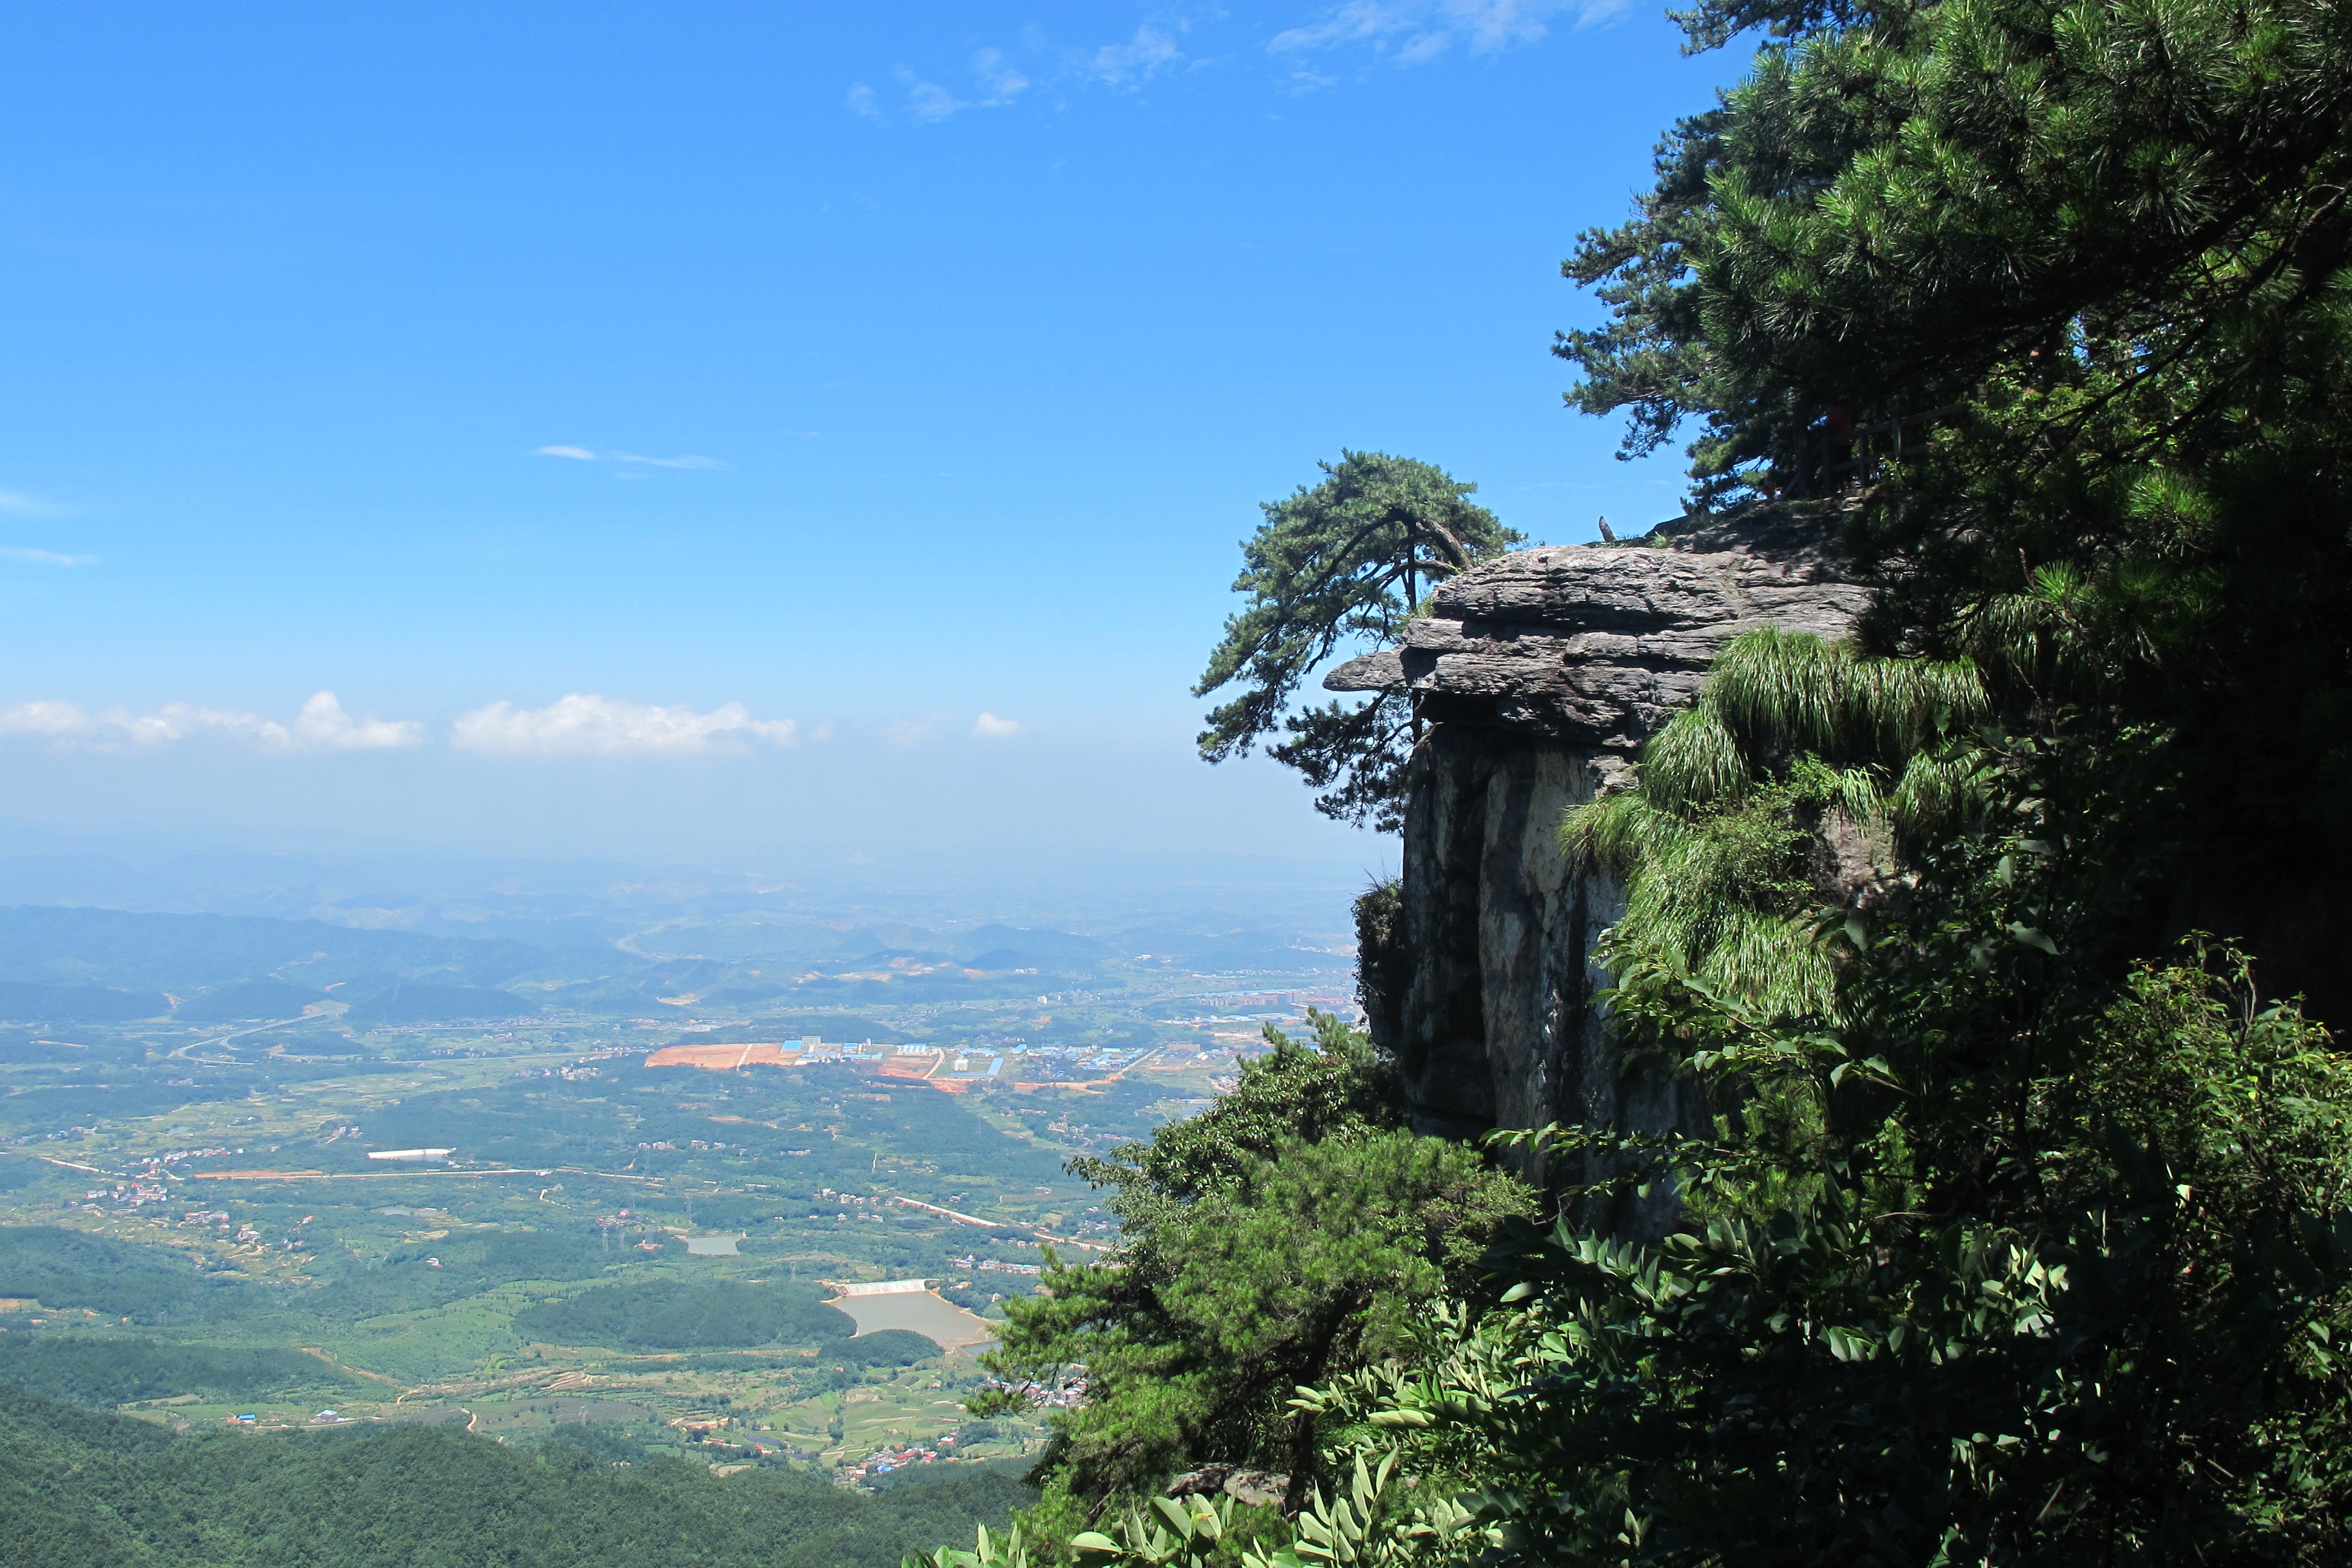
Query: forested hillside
x=80 y=1490
x=2001 y=941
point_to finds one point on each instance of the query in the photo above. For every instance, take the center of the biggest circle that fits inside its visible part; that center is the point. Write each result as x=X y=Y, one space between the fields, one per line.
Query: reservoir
x=943 y=1323
x=712 y=1245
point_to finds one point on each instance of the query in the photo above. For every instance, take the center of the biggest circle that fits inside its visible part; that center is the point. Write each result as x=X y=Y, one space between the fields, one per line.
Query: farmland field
x=192 y=1229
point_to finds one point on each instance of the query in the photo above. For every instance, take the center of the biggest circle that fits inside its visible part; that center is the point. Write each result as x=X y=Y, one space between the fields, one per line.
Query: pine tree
x=1342 y=564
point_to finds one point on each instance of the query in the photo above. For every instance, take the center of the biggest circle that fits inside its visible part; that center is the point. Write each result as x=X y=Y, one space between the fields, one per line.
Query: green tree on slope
x=1342 y=564
x=1281 y=1237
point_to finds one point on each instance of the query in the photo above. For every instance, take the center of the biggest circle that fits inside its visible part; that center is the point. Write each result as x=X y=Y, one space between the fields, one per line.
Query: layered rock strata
x=1537 y=677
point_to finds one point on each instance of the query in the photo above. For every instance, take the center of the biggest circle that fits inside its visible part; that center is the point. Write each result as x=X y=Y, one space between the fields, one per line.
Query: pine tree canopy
x=1900 y=201
x=2049 y=308
x=1340 y=565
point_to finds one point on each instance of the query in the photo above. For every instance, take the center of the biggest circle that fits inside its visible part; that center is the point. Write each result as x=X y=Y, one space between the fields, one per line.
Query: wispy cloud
x=996 y=78
x=1136 y=61
x=585 y=723
x=1408 y=32
x=690 y=460
x=322 y=725
x=48 y=557
x=27 y=506
x=988 y=727
x=927 y=101
x=1383 y=32
x=995 y=82
x=587 y=454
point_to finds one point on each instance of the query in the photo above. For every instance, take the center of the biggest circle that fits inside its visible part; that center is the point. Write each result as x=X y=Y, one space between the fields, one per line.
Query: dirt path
x=1002 y=1224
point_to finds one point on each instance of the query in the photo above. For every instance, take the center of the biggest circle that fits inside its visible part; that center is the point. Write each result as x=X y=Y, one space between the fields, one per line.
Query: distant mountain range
x=182 y=954
x=96 y=966
x=82 y=966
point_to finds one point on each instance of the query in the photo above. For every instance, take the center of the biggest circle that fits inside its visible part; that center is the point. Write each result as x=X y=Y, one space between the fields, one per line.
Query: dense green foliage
x=673 y=1314
x=105 y=1372
x=86 y=1490
x=2010 y=1243
x=679 y=1314
x=2099 y=255
x=467 y=1260
x=2003 y=1248
x=1282 y=1236
x=1995 y=1252
x=1383 y=957
x=1344 y=563
x=145 y=1284
x=2093 y=203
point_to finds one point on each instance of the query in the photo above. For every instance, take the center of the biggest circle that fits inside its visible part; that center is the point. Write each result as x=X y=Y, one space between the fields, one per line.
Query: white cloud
x=322 y=725
x=178 y=720
x=998 y=79
x=688 y=461
x=587 y=723
x=68 y=722
x=927 y=101
x=906 y=732
x=988 y=727
x=1136 y=61
x=12 y=500
x=323 y=722
x=52 y=719
x=583 y=454
x=861 y=101
x=1410 y=31
x=48 y=557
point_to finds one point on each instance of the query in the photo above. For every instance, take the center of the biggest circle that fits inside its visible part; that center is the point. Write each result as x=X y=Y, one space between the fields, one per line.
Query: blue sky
x=734 y=430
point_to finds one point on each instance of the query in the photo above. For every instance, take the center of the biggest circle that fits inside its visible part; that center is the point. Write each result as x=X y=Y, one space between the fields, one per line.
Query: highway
x=233 y=1033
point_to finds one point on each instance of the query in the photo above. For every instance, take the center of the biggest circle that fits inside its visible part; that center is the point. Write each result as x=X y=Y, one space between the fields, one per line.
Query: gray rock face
x=1539 y=676
x=1596 y=647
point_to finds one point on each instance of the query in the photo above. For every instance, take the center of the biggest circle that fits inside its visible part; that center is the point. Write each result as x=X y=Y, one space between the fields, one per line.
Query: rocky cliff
x=1537 y=677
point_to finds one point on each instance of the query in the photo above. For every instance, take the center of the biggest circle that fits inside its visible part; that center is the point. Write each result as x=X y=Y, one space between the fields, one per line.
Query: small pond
x=713 y=1245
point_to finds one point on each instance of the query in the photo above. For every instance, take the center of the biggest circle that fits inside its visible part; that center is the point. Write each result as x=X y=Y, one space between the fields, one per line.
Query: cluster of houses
x=128 y=1195
x=63 y=1135
x=898 y=1456
x=156 y=1161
